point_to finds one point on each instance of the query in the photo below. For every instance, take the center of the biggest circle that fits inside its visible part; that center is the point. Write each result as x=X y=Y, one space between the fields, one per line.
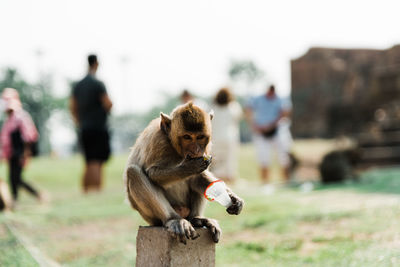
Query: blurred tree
x=127 y=128
x=244 y=130
x=245 y=69
x=37 y=99
x=169 y=103
x=130 y=125
x=244 y=73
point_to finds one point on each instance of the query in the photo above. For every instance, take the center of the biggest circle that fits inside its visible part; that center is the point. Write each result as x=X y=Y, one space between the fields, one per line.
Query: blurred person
x=264 y=114
x=225 y=135
x=286 y=138
x=6 y=202
x=18 y=135
x=90 y=106
x=284 y=126
x=186 y=96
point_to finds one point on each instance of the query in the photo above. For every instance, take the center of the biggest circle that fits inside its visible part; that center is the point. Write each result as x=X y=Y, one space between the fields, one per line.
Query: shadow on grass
x=382 y=180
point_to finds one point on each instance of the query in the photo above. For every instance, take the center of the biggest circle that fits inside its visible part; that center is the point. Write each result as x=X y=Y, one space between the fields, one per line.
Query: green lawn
x=347 y=225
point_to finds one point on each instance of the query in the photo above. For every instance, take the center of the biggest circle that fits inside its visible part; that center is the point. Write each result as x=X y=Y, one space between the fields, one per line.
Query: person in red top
x=17 y=135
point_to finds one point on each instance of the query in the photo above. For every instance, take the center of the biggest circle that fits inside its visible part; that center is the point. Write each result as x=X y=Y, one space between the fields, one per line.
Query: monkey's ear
x=165 y=123
x=211 y=114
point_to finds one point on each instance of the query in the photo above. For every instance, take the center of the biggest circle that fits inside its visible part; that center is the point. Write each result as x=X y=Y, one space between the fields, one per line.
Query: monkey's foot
x=237 y=205
x=181 y=229
x=211 y=224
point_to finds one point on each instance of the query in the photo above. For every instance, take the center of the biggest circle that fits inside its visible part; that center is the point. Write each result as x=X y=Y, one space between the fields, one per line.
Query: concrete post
x=155 y=247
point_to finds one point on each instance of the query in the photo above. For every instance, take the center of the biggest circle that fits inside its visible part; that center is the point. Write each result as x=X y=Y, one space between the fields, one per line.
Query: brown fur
x=166 y=174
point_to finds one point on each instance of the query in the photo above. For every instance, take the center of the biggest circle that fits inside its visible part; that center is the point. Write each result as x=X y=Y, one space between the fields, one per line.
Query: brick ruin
x=352 y=92
x=336 y=91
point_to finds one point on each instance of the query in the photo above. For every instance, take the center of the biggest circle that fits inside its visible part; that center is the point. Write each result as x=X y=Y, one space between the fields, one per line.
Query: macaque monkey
x=166 y=173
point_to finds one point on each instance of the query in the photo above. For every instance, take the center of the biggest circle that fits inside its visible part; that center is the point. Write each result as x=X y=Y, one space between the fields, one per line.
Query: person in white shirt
x=225 y=135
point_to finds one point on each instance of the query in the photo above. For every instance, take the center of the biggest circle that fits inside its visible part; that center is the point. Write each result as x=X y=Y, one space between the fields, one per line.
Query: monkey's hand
x=237 y=204
x=181 y=229
x=195 y=165
x=211 y=224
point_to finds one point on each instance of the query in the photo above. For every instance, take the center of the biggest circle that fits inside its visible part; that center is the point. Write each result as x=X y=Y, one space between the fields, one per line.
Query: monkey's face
x=193 y=145
x=189 y=130
x=190 y=137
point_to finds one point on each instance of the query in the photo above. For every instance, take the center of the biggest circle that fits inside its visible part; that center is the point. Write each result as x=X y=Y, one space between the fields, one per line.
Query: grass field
x=347 y=225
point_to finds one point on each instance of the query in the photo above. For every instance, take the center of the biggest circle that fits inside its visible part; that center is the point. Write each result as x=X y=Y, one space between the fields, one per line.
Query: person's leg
x=24 y=184
x=264 y=171
x=93 y=176
x=283 y=158
x=263 y=147
x=89 y=143
x=85 y=178
x=102 y=153
x=29 y=188
x=83 y=139
x=19 y=168
x=88 y=178
x=97 y=150
x=13 y=176
x=101 y=173
x=98 y=175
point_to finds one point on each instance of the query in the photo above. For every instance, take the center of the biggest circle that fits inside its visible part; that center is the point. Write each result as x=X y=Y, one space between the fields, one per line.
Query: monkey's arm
x=164 y=174
x=202 y=181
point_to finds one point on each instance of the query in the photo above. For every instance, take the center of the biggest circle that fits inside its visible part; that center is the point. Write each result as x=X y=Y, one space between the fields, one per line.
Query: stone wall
x=335 y=91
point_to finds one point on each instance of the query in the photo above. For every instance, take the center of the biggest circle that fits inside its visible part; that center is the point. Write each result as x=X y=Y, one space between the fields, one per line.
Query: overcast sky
x=156 y=45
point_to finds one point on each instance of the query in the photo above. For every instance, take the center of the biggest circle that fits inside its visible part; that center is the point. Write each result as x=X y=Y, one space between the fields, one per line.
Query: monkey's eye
x=187 y=137
x=200 y=137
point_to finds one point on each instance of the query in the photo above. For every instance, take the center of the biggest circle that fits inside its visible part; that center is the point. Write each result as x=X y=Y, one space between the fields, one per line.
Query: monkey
x=166 y=173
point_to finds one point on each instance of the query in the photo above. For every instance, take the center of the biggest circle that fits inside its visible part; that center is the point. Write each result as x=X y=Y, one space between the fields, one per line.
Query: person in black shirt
x=90 y=106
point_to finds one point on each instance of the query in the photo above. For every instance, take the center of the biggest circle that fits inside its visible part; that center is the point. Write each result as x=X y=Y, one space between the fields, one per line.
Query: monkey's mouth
x=192 y=156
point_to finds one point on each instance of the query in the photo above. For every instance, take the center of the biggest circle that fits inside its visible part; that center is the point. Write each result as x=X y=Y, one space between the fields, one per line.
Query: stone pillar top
x=156 y=247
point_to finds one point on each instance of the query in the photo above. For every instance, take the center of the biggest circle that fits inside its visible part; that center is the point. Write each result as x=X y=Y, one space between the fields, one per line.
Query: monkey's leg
x=152 y=203
x=197 y=204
